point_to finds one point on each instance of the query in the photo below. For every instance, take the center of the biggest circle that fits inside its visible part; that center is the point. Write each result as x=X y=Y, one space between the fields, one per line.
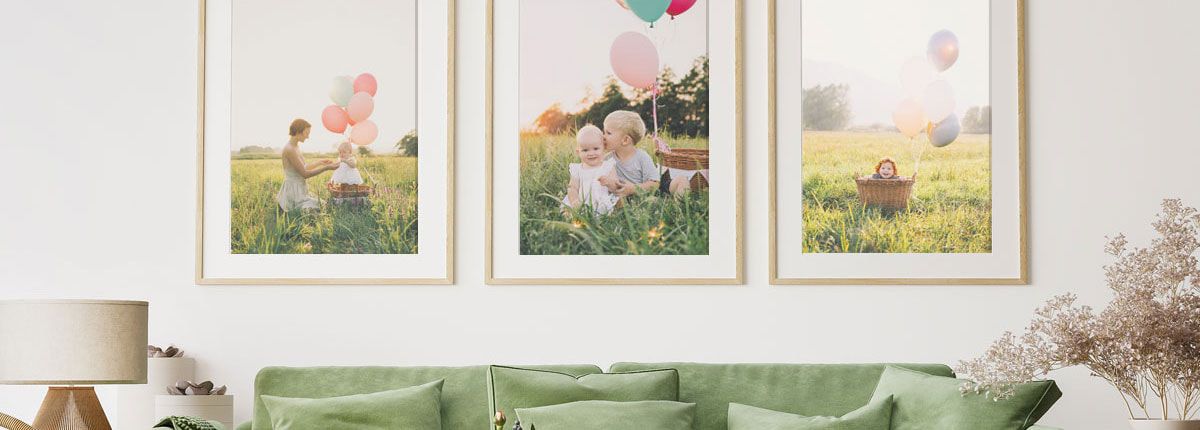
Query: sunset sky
x=285 y=56
x=865 y=43
x=564 y=48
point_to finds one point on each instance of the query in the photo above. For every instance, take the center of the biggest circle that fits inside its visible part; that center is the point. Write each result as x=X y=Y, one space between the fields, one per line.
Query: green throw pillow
x=876 y=415
x=407 y=408
x=925 y=401
x=510 y=388
x=606 y=415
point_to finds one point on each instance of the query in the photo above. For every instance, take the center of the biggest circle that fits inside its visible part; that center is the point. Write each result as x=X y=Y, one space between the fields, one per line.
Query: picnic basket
x=885 y=193
x=348 y=191
x=687 y=159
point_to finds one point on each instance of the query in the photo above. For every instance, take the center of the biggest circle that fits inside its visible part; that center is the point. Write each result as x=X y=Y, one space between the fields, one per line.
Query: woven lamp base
x=71 y=408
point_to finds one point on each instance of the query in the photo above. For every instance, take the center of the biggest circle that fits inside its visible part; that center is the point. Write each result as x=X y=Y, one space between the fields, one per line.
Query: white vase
x=135 y=403
x=1165 y=424
x=215 y=408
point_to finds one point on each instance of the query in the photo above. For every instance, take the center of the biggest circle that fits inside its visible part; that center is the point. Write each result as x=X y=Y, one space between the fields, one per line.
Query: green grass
x=387 y=226
x=647 y=224
x=950 y=211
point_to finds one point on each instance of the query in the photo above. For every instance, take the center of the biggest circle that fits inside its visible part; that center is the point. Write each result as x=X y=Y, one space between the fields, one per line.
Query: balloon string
x=654 y=108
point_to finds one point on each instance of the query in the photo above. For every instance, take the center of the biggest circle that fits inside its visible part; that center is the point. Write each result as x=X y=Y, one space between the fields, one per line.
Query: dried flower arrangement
x=189 y=388
x=1145 y=343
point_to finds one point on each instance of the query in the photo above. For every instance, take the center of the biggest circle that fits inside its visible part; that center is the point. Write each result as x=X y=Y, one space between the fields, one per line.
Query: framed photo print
x=614 y=142
x=898 y=142
x=310 y=113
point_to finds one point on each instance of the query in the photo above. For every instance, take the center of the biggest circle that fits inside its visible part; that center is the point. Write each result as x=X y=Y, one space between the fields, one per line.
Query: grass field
x=387 y=226
x=647 y=224
x=950 y=211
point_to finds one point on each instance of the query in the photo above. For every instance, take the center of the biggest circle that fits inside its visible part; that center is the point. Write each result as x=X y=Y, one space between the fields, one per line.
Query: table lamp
x=72 y=342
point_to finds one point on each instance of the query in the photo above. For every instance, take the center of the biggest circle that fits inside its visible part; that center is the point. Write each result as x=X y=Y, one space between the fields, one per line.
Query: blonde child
x=593 y=179
x=347 y=170
x=635 y=169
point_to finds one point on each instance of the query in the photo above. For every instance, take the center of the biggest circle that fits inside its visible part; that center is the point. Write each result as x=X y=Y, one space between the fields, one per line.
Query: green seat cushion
x=925 y=401
x=512 y=388
x=464 y=394
x=876 y=415
x=407 y=408
x=606 y=415
x=805 y=389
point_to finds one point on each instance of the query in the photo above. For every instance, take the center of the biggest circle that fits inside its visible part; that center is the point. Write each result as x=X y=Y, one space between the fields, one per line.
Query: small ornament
x=156 y=352
x=189 y=388
x=499 y=420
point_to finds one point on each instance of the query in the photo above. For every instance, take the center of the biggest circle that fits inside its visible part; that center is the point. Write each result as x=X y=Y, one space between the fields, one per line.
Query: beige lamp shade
x=78 y=342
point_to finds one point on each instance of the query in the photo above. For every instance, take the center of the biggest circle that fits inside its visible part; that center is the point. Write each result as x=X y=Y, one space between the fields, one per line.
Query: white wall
x=97 y=121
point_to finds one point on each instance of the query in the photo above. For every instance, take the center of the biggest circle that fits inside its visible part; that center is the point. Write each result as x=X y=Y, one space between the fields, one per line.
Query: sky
x=286 y=55
x=564 y=48
x=865 y=43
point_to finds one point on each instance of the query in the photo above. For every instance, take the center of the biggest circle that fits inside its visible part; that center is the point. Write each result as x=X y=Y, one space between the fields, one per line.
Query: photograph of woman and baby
x=613 y=148
x=323 y=157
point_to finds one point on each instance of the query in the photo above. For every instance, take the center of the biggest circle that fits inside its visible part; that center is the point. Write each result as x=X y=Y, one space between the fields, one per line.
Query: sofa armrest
x=1036 y=427
x=246 y=425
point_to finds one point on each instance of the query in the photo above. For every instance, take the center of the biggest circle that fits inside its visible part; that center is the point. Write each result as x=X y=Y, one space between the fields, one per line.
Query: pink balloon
x=334 y=119
x=678 y=7
x=361 y=106
x=364 y=133
x=366 y=83
x=623 y=5
x=635 y=60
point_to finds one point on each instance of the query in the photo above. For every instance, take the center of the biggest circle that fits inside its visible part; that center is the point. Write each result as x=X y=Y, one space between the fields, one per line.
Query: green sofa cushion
x=804 y=389
x=464 y=393
x=510 y=388
x=876 y=415
x=606 y=415
x=925 y=401
x=406 y=408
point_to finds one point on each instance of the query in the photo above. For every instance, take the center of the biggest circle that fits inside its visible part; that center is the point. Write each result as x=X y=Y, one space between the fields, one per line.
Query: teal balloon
x=648 y=10
x=945 y=132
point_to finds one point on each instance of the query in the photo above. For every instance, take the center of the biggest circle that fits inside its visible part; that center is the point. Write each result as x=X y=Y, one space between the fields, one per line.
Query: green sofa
x=809 y=389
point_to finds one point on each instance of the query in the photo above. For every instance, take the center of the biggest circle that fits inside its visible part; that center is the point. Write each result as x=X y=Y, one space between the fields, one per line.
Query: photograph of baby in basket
x=896 y=141
x=323 y=140
x=614 y=130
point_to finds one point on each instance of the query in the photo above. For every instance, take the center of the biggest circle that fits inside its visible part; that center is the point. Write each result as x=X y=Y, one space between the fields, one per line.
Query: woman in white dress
x=294 y=192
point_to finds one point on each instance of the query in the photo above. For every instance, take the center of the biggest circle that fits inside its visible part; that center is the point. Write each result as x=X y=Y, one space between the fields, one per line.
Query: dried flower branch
x=1145 y=343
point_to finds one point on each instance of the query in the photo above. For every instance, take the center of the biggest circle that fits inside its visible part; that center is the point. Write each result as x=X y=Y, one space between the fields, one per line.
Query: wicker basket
x=687 y=159
x=347 y=191
x=885 y=193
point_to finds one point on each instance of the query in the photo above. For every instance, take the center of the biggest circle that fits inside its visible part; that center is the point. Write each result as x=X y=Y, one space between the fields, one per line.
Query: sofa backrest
x=464 y=394
x=806 y=389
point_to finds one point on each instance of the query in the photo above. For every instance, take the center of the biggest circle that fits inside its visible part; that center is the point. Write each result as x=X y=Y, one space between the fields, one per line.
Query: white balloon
x=343 y=90
x=938 y=99
x=909 y=118
x=916 y=74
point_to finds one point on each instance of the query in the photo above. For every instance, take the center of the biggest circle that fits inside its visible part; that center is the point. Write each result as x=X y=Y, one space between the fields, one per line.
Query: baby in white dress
x=592 y=179
x=347 y=171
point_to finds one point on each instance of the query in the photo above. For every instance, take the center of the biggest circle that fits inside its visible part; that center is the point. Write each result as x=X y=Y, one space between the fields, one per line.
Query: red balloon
x=334 y=119
x=366 y=83
x=678 y=7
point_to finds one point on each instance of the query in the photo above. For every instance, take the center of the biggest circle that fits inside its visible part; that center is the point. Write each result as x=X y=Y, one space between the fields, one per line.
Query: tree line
x=827 y=108
x=682 y=105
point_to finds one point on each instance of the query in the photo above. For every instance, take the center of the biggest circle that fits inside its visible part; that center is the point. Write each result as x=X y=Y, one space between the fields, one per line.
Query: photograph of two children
x=614 y=129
